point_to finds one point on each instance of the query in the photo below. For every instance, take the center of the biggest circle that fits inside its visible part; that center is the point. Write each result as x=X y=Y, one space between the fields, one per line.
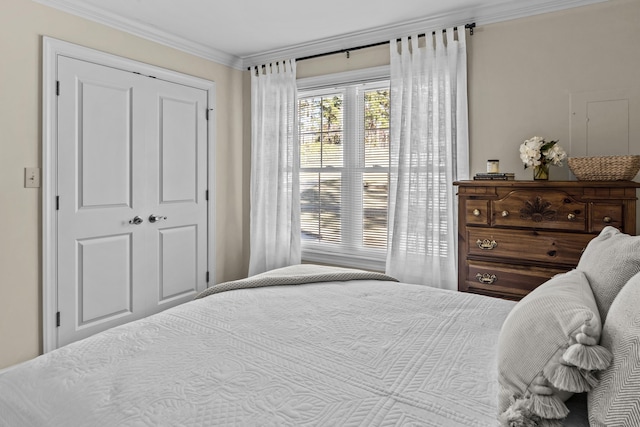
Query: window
x=344 y=173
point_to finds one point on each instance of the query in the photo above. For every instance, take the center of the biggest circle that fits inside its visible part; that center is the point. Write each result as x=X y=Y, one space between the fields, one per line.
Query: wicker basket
x=606 y=168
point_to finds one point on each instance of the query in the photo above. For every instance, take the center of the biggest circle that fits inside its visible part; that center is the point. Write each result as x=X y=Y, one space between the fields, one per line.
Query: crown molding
x=144 y=31
x=481 y=15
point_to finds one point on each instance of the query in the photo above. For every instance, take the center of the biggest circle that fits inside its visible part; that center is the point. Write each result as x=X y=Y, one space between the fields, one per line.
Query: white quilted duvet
x=359 y=353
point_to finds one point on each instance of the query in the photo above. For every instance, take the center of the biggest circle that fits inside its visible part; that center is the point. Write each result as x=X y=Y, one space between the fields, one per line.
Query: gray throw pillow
x=616 y=400
x=547 y=350
x=609 y=261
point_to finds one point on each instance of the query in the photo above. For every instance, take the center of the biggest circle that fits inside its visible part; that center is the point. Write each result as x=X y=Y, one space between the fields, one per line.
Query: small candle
x=493 y=166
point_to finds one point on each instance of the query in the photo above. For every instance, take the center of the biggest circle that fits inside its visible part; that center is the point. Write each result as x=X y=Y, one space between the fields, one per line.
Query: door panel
x=600 y=123
x=104 y=119
x=608 y=127
x=179 y=146
x=104 y=285
x=178 y=261
x=128 y=146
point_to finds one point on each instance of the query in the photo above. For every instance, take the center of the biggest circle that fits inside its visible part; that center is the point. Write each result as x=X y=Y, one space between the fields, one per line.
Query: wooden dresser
x=514 y=235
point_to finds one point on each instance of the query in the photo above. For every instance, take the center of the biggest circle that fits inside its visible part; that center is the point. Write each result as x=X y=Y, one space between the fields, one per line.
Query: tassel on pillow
x=586 y=353
x=540 y=401
x=590 y=377
x=567 y=377
x=519 y=415
x=547 y=407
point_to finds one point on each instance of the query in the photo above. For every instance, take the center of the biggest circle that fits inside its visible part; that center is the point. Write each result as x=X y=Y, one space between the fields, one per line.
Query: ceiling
x=241 y=33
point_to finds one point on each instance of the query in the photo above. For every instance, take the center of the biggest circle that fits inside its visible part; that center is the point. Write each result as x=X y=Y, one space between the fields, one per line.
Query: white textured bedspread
x=360 y=353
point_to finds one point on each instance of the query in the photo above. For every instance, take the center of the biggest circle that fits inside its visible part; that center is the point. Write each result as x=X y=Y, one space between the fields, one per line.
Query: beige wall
x=22 y=25
x=521 y=74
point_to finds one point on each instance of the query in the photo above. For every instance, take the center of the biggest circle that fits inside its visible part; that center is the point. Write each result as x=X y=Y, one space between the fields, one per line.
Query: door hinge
x=207 y=277
x=57 y=203
x=207 y=112
x=57 y=319
x=206 y=195
x=57 y=87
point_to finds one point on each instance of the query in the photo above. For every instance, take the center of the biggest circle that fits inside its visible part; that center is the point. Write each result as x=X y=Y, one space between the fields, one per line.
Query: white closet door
x=128 y=147
x=176 y=165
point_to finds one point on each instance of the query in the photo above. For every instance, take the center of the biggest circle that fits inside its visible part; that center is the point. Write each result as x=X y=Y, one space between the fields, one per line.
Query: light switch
x=31 y=177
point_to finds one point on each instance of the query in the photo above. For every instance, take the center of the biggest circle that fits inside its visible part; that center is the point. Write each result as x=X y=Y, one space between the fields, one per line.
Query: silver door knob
x=136 y=220
x=156 y=218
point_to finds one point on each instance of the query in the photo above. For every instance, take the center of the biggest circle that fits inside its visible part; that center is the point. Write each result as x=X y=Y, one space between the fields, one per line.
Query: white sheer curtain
x=429 y=151
x=275 y=195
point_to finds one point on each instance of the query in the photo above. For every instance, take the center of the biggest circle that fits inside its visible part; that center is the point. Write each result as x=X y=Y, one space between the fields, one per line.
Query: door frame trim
x=51 y=49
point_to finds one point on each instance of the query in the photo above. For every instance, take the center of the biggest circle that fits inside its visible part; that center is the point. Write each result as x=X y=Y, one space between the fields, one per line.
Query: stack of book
x=498 y=176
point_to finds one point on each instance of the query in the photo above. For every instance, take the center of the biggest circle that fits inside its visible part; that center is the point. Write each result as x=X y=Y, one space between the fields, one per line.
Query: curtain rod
x=470 y=27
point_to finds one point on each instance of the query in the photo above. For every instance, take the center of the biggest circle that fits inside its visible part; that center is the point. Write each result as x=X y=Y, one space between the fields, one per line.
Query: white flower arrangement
x=536 y=151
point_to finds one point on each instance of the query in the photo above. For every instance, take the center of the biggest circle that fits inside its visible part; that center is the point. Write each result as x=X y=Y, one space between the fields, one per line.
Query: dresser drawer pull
x=505 y=214
x=571 y=217
x=486 y=244
x=486 y=278
x=607 y=220
x=476 y=212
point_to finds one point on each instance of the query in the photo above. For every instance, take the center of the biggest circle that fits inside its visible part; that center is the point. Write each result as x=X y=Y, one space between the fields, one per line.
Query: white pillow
x=616 y=400
x=547 y=350
x=609 y=261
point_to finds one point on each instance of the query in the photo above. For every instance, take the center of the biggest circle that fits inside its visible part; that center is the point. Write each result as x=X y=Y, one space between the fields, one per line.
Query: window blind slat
x=344 y=160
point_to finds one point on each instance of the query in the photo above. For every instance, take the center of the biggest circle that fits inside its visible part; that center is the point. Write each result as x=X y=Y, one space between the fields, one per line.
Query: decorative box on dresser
x=514 y=235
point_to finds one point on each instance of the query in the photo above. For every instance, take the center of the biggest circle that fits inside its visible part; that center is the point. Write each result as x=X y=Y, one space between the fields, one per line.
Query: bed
x=367 y=351
x=359 y=352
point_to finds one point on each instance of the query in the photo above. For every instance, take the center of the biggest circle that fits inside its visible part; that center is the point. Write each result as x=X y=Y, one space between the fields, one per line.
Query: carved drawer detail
x=554 y=210
x=538 y=210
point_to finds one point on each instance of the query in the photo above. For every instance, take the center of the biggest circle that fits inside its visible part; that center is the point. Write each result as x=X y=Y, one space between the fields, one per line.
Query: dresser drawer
x=477 y=212
x=530 y=245
x=605 y=214
x=552 y=210
x=510 y=281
